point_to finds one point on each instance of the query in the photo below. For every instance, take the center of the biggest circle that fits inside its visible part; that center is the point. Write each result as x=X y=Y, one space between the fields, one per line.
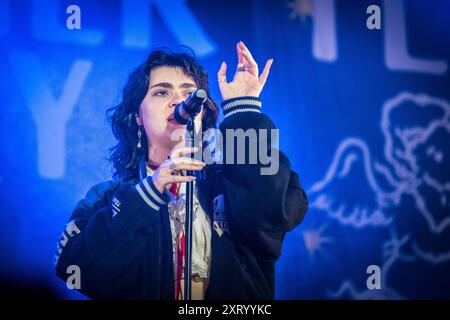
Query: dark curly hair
x=125 y=155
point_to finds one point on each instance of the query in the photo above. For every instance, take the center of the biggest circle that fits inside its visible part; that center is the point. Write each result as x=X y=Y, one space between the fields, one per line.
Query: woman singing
x=127 y=235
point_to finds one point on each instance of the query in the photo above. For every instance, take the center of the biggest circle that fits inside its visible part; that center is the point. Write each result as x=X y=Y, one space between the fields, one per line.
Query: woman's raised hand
x=246 y=81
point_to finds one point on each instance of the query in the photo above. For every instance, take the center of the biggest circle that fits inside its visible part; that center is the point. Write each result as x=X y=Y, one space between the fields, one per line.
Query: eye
x=161 y=93
x=187 y=94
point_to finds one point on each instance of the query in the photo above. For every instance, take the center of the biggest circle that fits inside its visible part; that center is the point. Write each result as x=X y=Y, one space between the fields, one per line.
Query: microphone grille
x=201 y=94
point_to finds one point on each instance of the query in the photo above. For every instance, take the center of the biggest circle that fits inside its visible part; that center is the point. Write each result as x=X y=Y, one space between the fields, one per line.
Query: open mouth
x=172 y=120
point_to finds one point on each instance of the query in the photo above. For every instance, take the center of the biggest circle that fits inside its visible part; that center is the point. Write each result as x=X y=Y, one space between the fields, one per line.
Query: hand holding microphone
x=167 y=172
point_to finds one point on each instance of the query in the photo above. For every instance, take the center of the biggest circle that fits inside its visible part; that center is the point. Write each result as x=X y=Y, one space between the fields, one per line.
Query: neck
x=157 y=155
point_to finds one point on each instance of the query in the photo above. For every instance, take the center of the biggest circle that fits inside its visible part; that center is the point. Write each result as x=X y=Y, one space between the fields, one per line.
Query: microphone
x=190 y=107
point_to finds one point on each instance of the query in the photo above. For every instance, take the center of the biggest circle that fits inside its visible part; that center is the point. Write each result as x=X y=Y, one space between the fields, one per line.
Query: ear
x=138 y=120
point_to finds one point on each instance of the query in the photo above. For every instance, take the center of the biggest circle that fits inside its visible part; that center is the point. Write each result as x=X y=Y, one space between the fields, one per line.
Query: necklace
x=177 y=207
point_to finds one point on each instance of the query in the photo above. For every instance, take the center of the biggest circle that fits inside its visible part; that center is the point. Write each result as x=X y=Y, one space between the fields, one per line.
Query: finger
x=185 y=160
x=222 y=74
x=265 y=73
x=247 y=53
x=251 y=64
x=189 y=167
x=181 y=151
x=176 y=179
x=239 y=54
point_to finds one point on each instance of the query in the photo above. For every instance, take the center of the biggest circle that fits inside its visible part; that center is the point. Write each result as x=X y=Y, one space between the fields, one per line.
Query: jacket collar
x=142 y=169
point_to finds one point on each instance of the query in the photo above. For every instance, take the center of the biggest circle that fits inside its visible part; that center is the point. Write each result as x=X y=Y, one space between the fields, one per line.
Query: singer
x=127 y=234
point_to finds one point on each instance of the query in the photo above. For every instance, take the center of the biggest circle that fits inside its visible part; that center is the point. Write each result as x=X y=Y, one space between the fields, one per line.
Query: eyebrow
x=170 y=86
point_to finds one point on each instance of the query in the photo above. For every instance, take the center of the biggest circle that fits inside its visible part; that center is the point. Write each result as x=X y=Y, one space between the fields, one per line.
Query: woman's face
x=168 y=87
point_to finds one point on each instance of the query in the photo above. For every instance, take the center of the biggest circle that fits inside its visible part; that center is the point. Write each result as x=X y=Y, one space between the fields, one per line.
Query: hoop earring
x=139 y=133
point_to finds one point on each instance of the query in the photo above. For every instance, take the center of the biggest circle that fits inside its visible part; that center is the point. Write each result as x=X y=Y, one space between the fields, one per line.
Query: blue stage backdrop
x=364 y=115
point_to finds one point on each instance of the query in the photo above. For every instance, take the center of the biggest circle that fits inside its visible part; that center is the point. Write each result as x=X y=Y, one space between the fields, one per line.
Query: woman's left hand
x=247 y=81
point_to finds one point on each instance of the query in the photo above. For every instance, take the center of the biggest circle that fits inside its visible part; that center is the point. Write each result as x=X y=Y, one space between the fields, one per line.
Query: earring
x=139 y=133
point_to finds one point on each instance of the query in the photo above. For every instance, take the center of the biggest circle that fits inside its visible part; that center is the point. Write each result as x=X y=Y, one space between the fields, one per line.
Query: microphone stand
x=188 y=221
x=192 y=106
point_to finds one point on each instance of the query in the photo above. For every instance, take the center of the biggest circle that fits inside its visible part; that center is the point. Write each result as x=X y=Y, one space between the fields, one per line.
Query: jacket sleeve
x=263 y=196
x=105 y=234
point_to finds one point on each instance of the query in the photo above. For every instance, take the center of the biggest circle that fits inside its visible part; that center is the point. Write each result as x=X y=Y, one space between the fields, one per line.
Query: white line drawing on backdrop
x=407 y=146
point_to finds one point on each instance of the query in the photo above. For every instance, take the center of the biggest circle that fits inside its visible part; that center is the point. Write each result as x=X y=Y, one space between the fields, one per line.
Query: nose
x=176 y=100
